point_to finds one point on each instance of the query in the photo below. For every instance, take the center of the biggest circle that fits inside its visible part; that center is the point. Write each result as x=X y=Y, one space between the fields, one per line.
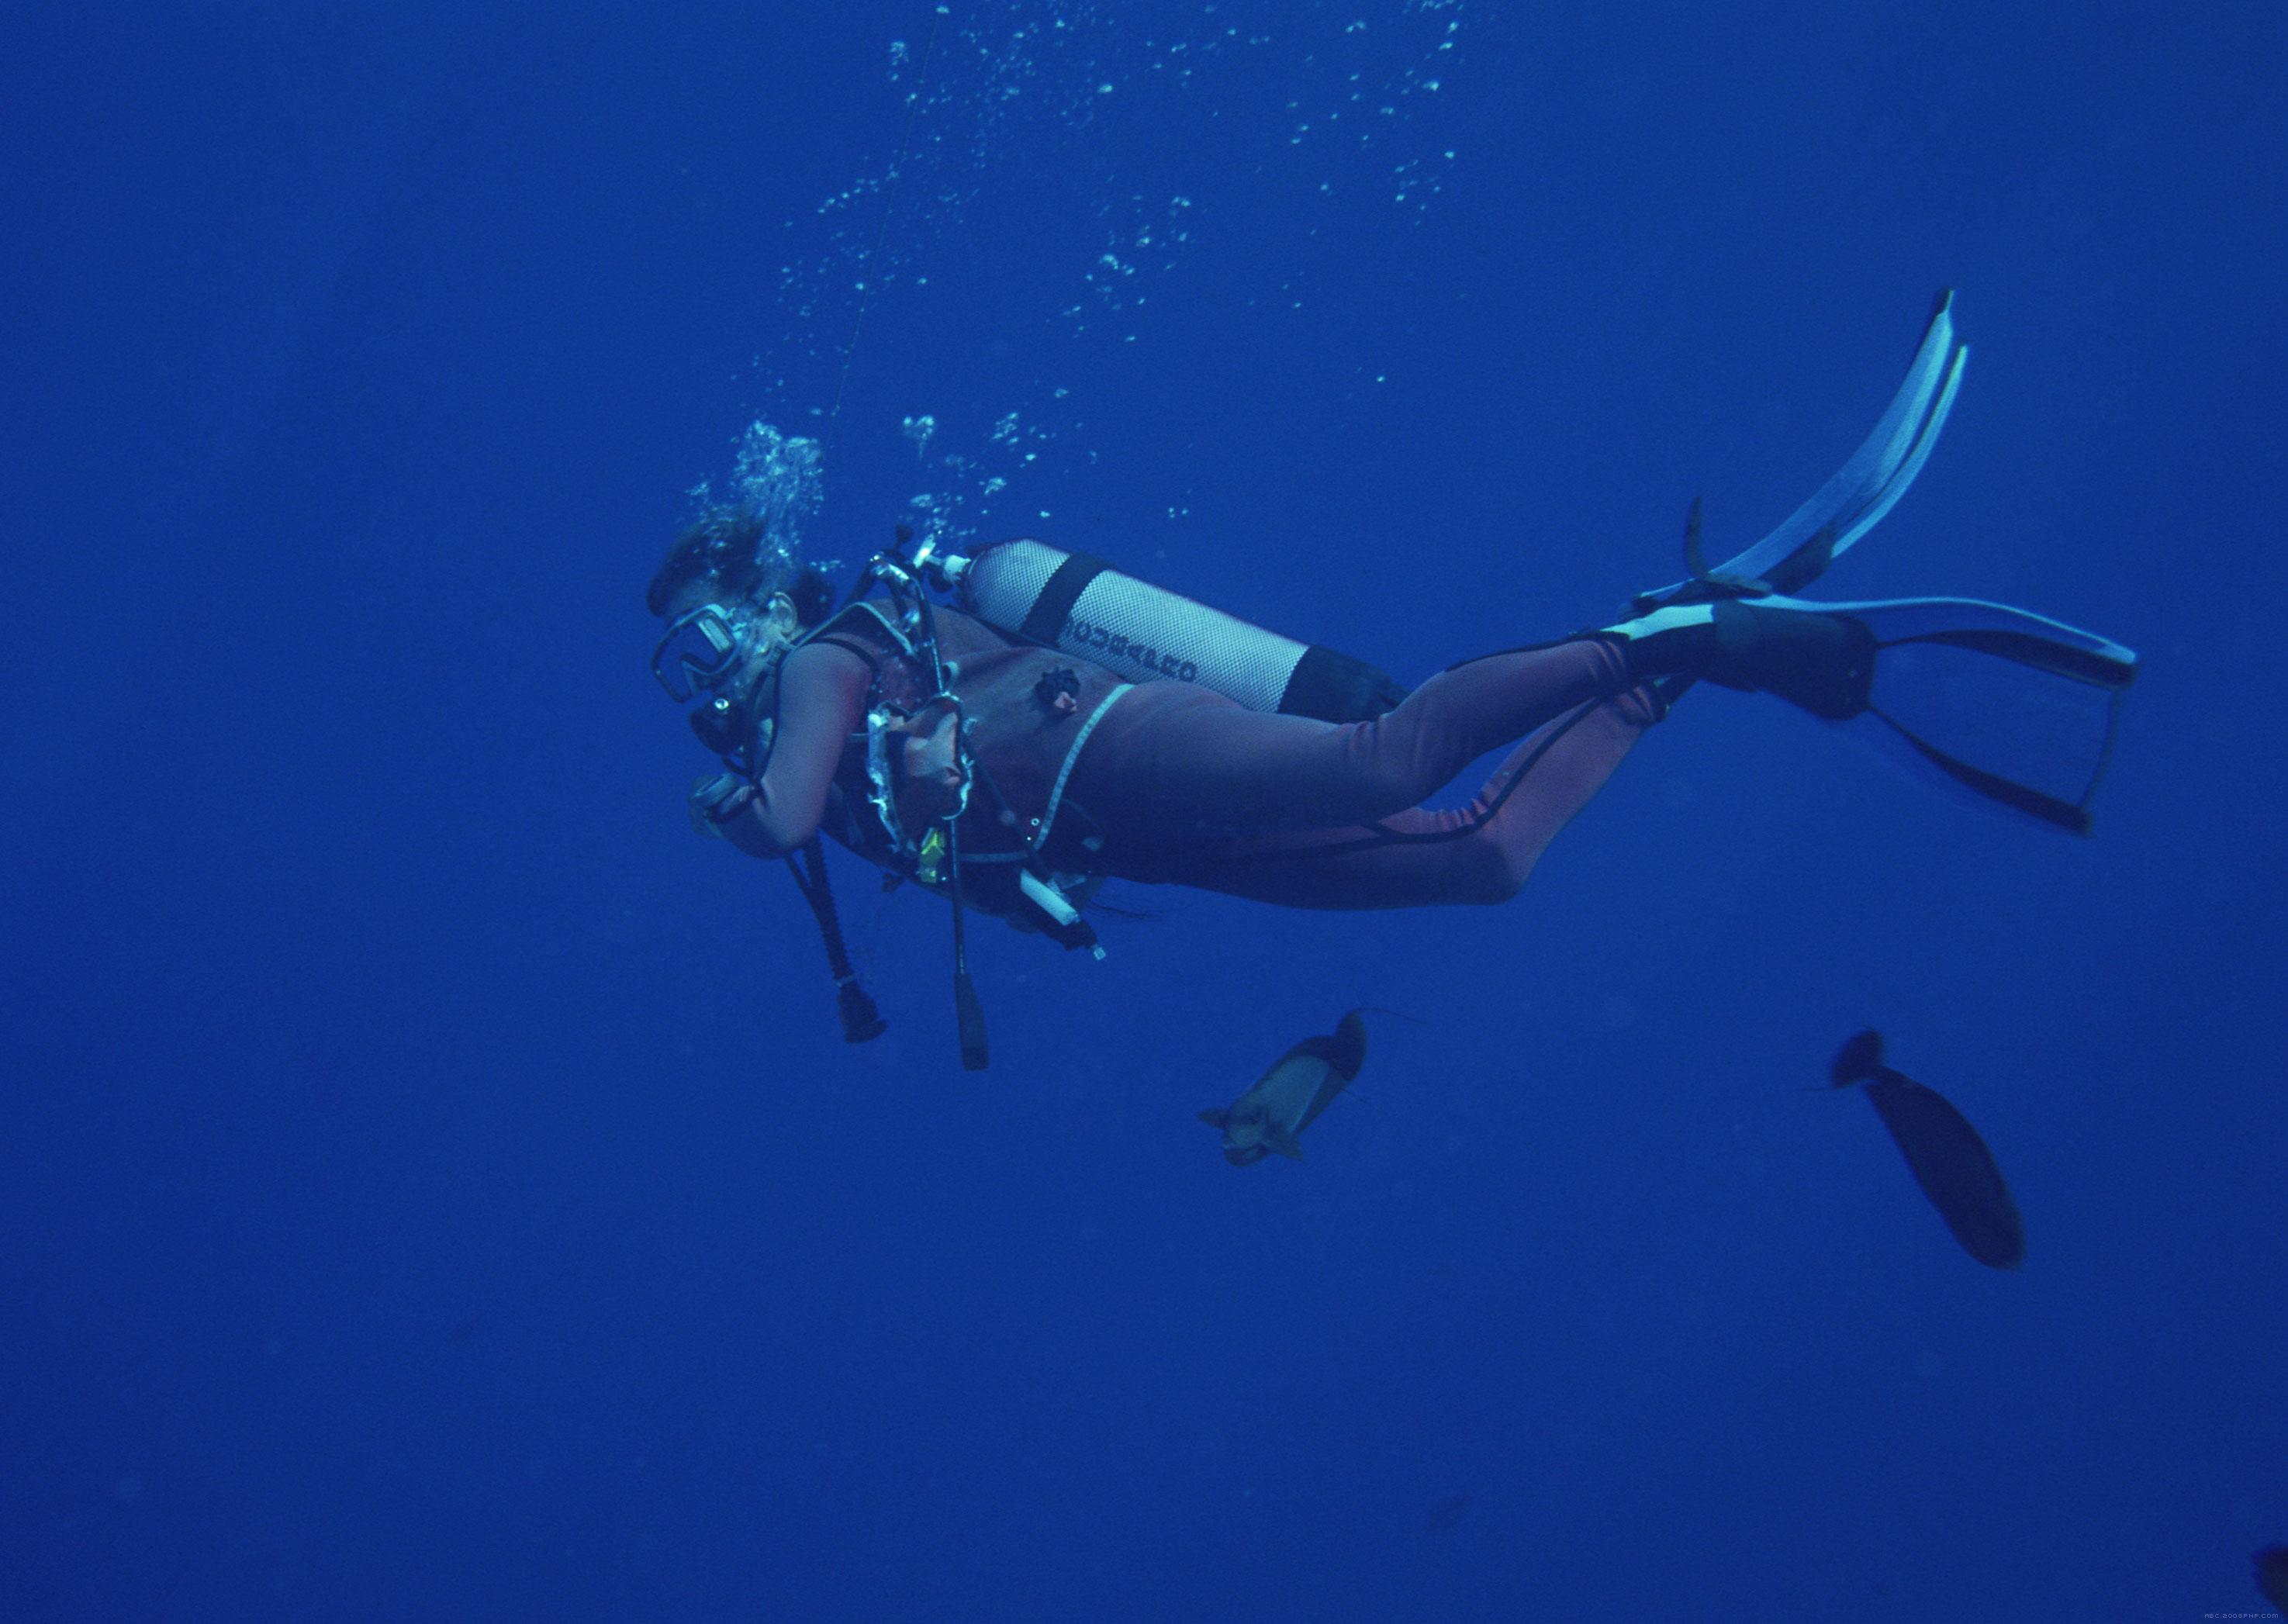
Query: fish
x=1271 y=1116
x=1951 y=1163
x=2272 y=1575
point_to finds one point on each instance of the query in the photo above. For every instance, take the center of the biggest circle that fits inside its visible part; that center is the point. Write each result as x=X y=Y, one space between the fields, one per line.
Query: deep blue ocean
x=432 y=1184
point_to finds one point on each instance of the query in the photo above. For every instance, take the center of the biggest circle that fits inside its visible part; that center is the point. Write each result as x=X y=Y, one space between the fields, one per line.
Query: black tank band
x=1334 y=687
x=1045 y=621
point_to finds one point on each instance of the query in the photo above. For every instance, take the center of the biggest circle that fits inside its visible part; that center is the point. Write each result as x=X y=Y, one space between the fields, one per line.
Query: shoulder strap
x=872 y=658
x=861 y=1021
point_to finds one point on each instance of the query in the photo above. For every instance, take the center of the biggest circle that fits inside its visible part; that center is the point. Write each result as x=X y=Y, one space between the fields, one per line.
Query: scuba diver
x=1061 y=723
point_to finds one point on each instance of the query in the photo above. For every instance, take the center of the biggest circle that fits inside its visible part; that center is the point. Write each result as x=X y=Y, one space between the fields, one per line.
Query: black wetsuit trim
x=1379 y=835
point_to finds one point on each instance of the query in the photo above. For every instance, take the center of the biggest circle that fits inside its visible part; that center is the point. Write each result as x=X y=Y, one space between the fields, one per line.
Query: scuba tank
x=1081 y=606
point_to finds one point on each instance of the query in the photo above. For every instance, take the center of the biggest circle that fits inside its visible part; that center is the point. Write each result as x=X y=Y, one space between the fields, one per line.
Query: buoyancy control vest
x=1022 y=715
x=1077 y=604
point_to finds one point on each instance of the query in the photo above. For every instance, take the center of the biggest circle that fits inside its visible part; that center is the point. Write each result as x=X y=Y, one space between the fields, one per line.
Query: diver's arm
x=821 y=702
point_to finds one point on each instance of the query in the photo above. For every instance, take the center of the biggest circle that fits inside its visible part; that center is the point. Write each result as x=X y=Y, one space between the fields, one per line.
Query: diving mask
x=701 y=649
x=703 y=655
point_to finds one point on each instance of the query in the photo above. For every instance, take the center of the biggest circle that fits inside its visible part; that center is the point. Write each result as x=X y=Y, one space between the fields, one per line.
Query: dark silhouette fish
x=2272 y=1575
x=1288 y=1099
x=1944 y=1152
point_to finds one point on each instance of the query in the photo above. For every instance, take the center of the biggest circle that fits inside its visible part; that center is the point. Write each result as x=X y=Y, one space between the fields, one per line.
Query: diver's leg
x=1172 y=765
x=1418 y=859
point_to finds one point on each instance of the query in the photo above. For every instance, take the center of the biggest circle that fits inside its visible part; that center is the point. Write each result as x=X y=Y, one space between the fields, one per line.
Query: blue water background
x=431 y=1183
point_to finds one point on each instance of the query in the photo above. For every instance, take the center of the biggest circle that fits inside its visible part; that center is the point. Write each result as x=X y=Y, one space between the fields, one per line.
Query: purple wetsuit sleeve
x=821 y=702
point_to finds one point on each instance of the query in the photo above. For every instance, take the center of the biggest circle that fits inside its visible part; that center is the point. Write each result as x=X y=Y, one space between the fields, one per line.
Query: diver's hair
x=727 y=546
x=813 y=594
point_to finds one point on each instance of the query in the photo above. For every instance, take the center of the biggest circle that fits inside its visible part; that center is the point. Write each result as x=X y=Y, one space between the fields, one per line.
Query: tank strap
x=1072 y=757
x=834 y=629
x=1044 y=622
x=850 y=644
x=861 y=1022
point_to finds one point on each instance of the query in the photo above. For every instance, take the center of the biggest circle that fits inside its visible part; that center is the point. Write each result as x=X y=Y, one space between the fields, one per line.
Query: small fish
x=1288 y=1099
x=1944 y=1152
x=2272 y=1575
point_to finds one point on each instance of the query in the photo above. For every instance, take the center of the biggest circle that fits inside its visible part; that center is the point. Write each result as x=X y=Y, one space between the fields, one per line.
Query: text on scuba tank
x=1082 y=634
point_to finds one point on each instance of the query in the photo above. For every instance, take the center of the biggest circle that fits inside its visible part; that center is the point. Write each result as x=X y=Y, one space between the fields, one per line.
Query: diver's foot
x=1679 y=640
x=1824 y=663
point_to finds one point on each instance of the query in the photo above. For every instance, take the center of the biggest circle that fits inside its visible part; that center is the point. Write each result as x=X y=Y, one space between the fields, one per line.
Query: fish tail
x=1350 y=1051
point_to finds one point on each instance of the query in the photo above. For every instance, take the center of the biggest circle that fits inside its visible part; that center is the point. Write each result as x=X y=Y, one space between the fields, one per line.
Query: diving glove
x=717 y=799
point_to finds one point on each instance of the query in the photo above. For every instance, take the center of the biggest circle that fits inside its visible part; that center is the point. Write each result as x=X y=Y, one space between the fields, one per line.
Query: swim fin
x=1851 y=502
x=2009 y=706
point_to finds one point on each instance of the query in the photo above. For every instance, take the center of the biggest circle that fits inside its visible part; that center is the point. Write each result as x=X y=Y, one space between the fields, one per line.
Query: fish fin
x=1326 y=1051
x=1860 y=1059
x=1216 y=1120
x=1333 y=1084
x=1286 y=1144
x=1342 y=1054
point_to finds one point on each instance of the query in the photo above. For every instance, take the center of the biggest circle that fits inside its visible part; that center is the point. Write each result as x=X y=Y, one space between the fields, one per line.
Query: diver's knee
x=1493 y=879
x=1389 y=787
x=1644 y=705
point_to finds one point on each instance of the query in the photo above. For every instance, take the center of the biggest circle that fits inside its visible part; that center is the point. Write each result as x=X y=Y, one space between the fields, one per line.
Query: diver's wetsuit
x=1191 y=789
x=1186 y=787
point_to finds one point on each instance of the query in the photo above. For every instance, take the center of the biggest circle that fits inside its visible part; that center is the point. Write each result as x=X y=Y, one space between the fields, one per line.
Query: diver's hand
x=934 y=766
x=717 y=799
